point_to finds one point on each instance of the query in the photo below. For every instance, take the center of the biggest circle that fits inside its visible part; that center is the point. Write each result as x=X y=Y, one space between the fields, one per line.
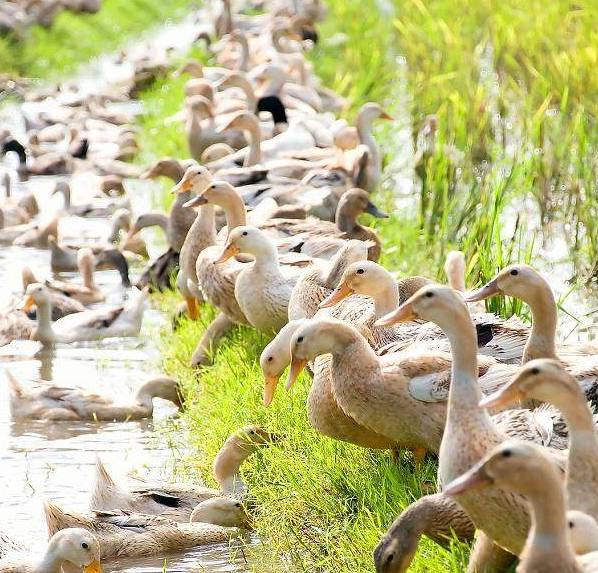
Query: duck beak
x=404 y=313
x=488 y=290
x=271 y=382
x=510 y=394
x=27 y=303
x=341 y=292
x=196 y=201
x=227 y=127
x=297 y=366
x=229 y=252
x=474 y=479
x=182 y=186
x=93 y=567
x=386 y=115
x=373 y=210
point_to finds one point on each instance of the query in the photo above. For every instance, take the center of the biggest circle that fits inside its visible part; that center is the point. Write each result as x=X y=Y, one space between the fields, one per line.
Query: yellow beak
x=183 y=186
x=297 y=366
x=341 y=292
x=404 y=313
x=271 y=382
x=229 y=252
x=93 y=567
x=27 y=304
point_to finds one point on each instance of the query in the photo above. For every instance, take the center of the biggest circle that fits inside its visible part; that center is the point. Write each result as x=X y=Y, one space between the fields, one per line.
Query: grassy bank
x=515 y=149
x=73 y=39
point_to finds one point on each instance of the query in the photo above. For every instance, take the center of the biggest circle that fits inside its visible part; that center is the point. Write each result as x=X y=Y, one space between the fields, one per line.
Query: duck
x=56 y=402
x=38 y=236
x=99 y=207
x=546 y=380
x=126 y=534
x=317 y=282
x=525 y=470
x=73 y=546
x=437 y=516
x=497 y=338
x=470 y=433
x=62 y=305
x=263 y=288
x=323 y=411
x=64 y=259
x=124 y=320
x=524 y=282
x=169 y=167
x=89 y=292
x=368 y=113
x=177 y=501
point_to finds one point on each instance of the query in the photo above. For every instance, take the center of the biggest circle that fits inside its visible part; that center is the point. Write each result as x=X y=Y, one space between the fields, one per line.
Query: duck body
x=125 y=534
x=54 y=402
x=83 y=326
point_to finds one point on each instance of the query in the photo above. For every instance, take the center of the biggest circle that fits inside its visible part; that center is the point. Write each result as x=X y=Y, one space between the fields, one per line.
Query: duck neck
x=50 y=562
x=243 y=63
x=254 y=156
x=227 y=466
x=548 y=534
x=66 y=194
x=266 y=258
x=364 y=129
x=44 y=320
x=542 y=343
x=204 y=226
x=464 y=393
x=154 y=220
x=386 y=298
x=87 y=274
x=245 y=85
x=353 y=357
x=236 y=214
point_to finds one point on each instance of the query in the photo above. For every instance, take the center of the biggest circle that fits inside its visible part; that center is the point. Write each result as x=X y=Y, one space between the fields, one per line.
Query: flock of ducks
x=264 y=227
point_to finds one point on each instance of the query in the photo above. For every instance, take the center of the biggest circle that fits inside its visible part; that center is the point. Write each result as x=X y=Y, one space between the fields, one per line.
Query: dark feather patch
x=273 y=105
x=485 y=334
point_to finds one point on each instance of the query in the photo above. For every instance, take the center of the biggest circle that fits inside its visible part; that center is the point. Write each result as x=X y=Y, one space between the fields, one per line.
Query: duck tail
x=56 y=518
x=16 y=390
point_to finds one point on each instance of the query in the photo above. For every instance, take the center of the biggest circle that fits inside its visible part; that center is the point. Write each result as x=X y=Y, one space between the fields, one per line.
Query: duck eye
x=300 y=339
x=360 y=271
x=507 y=454
x=244 y=233
x=237 y=504
x=535 y=370
x=270 y=358
x=514 y=272
x=84 y=545
x=390 y=557
x=571 y=525
x=429 y=294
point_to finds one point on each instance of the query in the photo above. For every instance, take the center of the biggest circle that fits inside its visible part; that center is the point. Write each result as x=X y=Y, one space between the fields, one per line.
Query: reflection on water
x=55 y=460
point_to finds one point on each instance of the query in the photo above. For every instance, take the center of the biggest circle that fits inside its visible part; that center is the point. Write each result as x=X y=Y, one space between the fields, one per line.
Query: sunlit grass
x=73 y=39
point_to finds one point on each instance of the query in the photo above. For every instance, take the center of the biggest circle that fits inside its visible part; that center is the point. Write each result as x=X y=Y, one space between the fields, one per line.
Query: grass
x=74 y=39
x=516 y=114
x=516 y=128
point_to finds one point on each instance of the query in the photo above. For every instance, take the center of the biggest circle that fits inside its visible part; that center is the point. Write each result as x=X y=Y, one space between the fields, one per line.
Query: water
x=55 y=460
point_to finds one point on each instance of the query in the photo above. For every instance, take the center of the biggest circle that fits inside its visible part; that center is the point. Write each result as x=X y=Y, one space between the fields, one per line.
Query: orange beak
x=297 y=366
x=27 y=304
x=488 y=290
x=271 y=382
x=183 y=186
x=404 y=313
x=341 y=292
x=386 y=115
x=229 y=252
